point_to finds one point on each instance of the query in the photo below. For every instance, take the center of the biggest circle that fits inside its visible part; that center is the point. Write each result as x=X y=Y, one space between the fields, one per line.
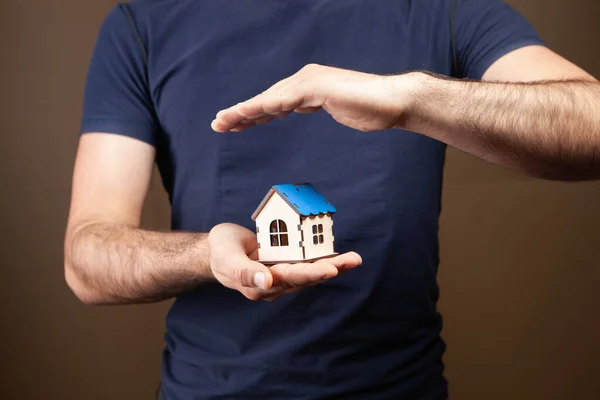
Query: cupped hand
x=361 y=101
x=233 y=255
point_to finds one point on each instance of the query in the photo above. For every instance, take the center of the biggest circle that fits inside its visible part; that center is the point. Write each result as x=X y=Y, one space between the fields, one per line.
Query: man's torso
x=372 y=333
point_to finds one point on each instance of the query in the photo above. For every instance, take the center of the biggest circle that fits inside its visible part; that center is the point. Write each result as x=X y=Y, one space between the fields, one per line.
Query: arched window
x=279 y=233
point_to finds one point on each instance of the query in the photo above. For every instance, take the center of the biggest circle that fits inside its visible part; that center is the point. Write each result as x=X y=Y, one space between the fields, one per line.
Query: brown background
x=520 y=267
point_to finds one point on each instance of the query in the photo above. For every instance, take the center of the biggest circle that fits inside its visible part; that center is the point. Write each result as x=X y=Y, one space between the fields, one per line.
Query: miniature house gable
x=294 y=223
x=277 y=231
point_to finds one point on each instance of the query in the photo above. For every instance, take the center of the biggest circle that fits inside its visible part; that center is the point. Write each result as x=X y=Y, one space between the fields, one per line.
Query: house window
x=279 y=233
x=317 y=231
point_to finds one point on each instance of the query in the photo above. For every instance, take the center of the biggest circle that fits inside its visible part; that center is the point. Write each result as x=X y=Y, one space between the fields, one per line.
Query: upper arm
x=110 y=180
x=533 y=63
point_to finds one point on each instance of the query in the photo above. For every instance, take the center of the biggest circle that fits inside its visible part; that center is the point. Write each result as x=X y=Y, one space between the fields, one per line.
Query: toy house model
x=294 y=224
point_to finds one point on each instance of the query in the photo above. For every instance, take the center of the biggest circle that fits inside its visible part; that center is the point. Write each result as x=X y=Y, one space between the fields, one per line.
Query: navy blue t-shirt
x=160 y=72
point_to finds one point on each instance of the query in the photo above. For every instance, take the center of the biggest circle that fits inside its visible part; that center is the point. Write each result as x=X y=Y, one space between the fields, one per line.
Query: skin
x=534 y=112
x=541 y=118
x=110 y=260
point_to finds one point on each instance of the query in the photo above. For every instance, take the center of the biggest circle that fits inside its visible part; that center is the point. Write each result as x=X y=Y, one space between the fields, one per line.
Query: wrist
x=200 y=259
x=407 y=93
x=404 y=96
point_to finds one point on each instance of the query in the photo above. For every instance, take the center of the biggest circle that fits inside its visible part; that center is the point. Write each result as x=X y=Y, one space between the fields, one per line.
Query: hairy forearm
x=117 y=264
x=545 y=129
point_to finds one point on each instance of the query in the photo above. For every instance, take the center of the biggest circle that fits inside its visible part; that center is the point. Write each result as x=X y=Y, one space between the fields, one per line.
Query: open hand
x=233 y=254
x=361 y=101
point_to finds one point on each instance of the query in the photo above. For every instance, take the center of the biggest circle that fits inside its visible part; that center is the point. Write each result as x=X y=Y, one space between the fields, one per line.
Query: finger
x=284 y=97
x=232 y=120
x=230 y=116
x=307 y=110
x=297 y=289
x=222 y=127
x=247 y=122
x=242 y=126
x=271 y=102
x=252 y=108
x=350 y=259
x=273 y=297
x=283 y=114
x=264 y=119
x=247 y=273
x=255 y=294
x=227 y=119
x=256 y=118
x=281 y=292
x=302 y=274
x=345 y=262
x=342 y=263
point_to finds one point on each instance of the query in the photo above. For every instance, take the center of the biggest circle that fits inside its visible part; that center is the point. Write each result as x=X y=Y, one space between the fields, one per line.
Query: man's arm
x=543 y=120
x=108 y=259
x=549 y=128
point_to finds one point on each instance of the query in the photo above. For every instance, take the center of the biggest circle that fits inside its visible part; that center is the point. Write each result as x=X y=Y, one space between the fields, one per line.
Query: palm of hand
x=233 y=255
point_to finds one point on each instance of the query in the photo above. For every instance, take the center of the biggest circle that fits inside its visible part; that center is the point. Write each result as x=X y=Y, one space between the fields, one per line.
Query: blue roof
x=305 y=199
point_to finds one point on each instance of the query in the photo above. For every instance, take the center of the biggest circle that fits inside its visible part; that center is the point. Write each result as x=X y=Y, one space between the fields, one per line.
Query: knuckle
x=239 y=275
x=287 y=103
x=282 y=96
x=311 y=67
x=283 y=101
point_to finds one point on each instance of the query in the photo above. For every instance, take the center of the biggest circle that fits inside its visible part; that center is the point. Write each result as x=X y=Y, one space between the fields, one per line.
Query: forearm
x=116 y=264
x=546 y=129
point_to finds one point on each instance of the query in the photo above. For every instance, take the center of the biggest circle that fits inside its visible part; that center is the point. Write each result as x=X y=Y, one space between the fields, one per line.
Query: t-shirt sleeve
x=486 y=30
x=116 y=96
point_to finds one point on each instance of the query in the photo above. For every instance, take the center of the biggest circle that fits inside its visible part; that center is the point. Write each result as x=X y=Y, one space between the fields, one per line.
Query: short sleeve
x=486 y=30
x=116 y=97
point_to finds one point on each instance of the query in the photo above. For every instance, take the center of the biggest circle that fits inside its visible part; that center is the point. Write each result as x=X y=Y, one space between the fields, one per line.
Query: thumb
x=253 y=274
